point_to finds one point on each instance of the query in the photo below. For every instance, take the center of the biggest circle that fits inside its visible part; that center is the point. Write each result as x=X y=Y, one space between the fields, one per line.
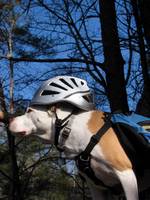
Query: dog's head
x=72 y=91
x=37 y=121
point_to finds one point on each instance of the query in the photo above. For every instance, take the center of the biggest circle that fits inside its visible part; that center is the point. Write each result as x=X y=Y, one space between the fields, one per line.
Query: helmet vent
x=65 y=82
x=73 y=80
x=57 y=86
x=82 y=83
x=88 y=98
x=49 y=92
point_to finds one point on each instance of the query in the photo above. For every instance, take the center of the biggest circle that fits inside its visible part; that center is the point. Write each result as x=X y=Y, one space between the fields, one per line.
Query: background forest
x=106 y=43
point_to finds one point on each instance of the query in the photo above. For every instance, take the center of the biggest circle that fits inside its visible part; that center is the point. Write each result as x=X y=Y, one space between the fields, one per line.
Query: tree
x=114 y=63
x=142 y=17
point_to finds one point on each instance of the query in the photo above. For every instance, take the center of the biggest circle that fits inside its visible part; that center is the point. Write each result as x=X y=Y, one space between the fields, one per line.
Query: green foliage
x=16 y=32
x=29 y=45
x=41 y=176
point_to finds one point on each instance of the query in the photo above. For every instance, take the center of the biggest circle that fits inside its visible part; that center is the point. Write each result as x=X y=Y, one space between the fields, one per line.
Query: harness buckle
x=66 y=132
x=64 y=135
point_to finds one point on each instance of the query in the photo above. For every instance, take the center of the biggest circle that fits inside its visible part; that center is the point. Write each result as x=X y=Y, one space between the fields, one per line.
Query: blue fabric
x=132 y=120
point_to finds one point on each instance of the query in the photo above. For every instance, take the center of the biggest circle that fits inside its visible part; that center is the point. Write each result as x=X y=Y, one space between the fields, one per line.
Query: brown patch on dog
x=96 y=121
x=110 y=145
x=114 y=152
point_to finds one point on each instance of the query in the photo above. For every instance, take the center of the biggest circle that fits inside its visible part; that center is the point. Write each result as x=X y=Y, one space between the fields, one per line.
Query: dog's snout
x=19 y=126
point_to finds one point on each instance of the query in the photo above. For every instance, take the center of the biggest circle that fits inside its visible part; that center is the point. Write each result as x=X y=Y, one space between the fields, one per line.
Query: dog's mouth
x=20 y=134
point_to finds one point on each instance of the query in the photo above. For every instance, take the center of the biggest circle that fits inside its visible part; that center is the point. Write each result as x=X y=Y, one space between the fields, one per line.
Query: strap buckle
x=66 y=132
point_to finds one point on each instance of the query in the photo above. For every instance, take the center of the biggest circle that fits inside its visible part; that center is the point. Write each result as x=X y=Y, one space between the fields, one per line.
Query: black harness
x=59 y=125
x=83 y=160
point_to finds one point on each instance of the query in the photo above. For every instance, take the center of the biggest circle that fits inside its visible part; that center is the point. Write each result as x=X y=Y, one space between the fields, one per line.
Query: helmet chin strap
x=61 y=127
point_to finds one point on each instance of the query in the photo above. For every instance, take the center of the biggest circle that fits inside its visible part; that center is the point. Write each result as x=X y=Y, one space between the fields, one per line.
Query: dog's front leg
x=129 y=183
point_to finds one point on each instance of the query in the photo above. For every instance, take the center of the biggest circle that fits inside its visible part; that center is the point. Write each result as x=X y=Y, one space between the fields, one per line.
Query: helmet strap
x=59 y=125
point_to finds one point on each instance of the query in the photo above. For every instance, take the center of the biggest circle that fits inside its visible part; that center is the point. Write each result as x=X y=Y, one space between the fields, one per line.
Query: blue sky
x=31 y=71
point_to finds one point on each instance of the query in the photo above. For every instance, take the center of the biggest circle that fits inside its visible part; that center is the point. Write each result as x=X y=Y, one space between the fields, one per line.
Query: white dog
x=56 y=102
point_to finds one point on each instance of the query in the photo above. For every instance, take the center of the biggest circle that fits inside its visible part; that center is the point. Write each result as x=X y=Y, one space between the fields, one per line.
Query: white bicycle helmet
x=64 y=89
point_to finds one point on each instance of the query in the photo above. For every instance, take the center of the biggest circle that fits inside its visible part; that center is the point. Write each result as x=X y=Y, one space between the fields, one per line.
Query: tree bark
x=144 y=6
x=15 y=187
x=142 y=18
x=114 y=63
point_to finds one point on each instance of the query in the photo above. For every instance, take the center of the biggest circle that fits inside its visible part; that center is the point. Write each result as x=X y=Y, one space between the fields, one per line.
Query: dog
x=109 y=161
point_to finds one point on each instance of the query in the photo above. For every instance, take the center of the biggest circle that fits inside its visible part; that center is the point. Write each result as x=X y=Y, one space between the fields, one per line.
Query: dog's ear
x=53 y=109
x=29 y=109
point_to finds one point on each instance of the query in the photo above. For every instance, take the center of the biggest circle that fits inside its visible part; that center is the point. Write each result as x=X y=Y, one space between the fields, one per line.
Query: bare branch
x=75 y=60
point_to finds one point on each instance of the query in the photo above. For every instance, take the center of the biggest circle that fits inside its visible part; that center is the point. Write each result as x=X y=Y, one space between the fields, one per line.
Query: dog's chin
x=19 y=134
x=43 y=136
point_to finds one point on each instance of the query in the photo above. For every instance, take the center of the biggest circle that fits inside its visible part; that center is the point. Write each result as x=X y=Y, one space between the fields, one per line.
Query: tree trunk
x=144 y=6
x=142 y=17
x=114 y=62
x=15 y=187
